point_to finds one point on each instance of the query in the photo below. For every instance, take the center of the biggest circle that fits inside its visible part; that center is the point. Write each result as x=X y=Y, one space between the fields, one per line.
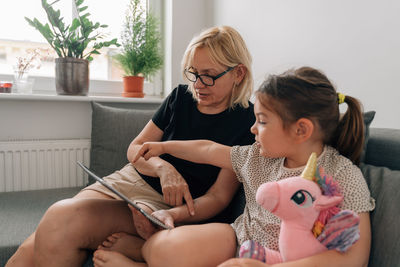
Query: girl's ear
x=240 y=72
x=304 y=128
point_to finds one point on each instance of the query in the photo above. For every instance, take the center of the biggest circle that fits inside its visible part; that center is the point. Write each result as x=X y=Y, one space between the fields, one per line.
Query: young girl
x=297 y=113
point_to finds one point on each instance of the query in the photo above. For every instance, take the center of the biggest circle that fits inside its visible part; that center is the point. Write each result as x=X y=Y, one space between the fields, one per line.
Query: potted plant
x=71 y=43
x=140 y=56
x=31 y=59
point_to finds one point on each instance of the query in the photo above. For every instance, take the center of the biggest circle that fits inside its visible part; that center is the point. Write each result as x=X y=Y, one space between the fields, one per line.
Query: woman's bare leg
x=24 y=254
x=192 y=245
x=72 y=226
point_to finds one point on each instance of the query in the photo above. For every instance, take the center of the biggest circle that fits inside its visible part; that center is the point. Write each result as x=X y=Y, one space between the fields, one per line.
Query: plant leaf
x=70 y=40
x=82 y=8
x=75 y=24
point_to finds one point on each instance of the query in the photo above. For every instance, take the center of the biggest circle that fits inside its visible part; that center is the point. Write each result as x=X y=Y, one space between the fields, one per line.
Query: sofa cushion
x=113 y=129
x=384 y=148
x=368 y=118
x=384 y=185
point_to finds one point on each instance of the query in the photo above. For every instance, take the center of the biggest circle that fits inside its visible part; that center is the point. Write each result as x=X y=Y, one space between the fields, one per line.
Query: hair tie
x=340 y=98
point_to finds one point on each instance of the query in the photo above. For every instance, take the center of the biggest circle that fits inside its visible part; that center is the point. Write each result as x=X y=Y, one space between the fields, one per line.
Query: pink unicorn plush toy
x=304 y=204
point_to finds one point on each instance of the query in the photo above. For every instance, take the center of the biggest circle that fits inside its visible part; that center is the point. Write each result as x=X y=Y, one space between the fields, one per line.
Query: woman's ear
x=240 y=72
x=304 y=128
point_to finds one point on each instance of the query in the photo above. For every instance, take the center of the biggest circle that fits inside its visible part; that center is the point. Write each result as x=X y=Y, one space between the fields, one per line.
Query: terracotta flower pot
x=133 y=86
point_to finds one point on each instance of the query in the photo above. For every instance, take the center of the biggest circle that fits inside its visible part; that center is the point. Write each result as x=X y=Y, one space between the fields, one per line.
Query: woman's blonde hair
x=226 y=47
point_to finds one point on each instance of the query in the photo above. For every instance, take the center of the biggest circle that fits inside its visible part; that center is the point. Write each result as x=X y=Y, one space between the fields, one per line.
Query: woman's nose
x=198 y=83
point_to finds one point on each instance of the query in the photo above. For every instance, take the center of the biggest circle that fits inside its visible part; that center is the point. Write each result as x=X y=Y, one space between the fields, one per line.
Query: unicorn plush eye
x=302 y=198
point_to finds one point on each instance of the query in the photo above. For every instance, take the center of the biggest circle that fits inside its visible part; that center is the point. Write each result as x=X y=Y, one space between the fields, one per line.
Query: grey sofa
x=20 y=212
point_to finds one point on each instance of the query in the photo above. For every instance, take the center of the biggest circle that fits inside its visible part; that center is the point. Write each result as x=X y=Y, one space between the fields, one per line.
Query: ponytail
x=349 y=135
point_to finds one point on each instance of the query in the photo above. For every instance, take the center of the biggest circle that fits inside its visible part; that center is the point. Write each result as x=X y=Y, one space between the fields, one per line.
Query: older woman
x=217 y=66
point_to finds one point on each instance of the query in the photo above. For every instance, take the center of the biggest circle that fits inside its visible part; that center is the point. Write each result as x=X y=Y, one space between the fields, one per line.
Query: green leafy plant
x=141 y=54
x=71 y=40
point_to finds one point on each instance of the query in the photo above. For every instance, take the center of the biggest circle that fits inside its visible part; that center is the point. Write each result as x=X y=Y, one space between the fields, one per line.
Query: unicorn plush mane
x=329 y=187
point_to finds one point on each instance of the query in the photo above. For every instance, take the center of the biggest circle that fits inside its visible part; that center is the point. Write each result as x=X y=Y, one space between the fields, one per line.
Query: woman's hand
x=164 y=216
x=144 y=227
x=243 y=262
x=175 y=188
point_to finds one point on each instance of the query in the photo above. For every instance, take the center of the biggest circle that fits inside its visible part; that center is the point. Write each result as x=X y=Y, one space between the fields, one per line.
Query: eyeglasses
x=206 y=79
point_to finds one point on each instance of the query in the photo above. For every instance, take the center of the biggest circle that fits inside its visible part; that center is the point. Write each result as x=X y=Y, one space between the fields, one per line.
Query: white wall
x=29 y=119
x=356 y=43
x=188 y=17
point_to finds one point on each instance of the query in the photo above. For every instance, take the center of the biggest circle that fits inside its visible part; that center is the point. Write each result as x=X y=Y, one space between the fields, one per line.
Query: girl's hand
x=148 y=150
x=243 y=262
x=175 y=188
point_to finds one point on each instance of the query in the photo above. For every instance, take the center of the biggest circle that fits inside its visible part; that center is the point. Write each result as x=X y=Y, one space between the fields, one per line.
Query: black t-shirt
x=179 y=119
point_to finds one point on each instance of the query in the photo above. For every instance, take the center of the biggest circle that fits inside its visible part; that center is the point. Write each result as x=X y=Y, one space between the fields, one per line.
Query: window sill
x=99 y=90
x=98 y=97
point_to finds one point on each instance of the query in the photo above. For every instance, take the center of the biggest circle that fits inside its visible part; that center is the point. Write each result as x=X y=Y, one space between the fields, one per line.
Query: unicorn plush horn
x=311 y=167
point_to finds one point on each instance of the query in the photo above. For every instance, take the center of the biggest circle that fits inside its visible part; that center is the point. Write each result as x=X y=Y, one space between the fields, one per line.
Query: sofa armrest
x=383 y=148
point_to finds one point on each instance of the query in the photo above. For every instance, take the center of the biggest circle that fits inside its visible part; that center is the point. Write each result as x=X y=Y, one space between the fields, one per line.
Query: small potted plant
x=25 y=63
x=30 y=60
x=71 y=43
x=141 y=55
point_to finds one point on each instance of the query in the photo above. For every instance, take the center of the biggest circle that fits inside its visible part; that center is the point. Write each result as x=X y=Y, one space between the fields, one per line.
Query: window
x=16 y=40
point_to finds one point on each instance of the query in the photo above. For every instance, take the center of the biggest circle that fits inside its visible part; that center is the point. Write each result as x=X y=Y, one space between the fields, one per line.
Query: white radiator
x=42 y=164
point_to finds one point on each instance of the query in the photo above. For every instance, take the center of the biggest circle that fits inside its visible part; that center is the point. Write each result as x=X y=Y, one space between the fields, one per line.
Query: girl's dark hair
x=308 y=93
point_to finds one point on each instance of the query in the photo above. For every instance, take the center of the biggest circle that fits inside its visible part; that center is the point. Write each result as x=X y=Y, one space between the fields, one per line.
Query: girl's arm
x=357 y=255
x=150 y=133
x=199 y=151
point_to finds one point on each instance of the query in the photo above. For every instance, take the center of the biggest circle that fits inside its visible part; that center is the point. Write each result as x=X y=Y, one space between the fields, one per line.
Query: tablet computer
x=151 y=218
